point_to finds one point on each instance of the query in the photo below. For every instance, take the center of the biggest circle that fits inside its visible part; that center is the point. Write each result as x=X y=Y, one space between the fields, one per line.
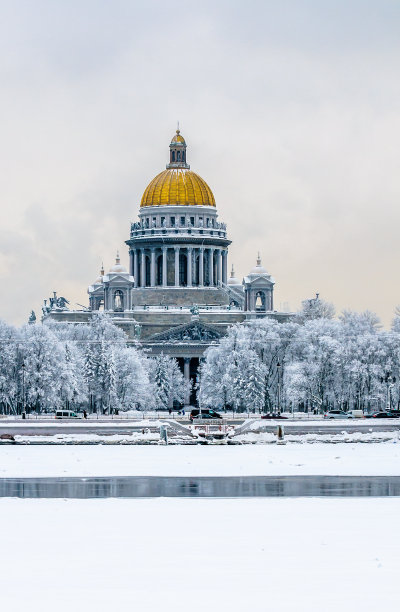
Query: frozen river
x=206 y=486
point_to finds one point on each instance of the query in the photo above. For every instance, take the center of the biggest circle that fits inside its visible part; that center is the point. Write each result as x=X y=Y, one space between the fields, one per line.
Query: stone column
x=164 y=266
x=219 y=267
x=177 y=250
x=153 y=268
x=189 y=266
x=186 y=374
x=211 y=267
x=225 y=267
x=135 y=267
x=201 y=266
x=131 y=262
x=143 y=269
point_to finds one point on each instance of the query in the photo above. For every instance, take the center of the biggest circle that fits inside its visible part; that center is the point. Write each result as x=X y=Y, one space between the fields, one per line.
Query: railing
x=201 y=307
x=178 y=231
x=212 y=430
x=235 y=293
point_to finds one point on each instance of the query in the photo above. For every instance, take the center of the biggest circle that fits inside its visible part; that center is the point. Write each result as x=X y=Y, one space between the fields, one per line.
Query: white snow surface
x=123 y=460
x=203 y=554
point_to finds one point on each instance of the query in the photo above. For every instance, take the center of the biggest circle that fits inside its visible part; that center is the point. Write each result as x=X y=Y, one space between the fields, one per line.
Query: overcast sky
x=290 y=110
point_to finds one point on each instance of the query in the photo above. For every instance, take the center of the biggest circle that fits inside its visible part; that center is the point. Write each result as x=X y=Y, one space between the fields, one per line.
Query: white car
x=338 y=414
x=66 y=414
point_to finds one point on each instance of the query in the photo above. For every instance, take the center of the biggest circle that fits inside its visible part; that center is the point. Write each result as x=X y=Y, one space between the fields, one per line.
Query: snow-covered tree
x=133 y=388
x=72 y=381
x=316 y=308
x=169 y=383
x=42 y=357
x=10 y=360
x=396 y=320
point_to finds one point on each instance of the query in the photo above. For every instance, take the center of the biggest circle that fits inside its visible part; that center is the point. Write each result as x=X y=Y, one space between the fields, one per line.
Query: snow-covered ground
x=122 y=460
x=204 y=554
x=327 y=438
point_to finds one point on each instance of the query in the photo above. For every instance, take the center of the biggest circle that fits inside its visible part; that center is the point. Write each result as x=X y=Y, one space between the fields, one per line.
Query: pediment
x=118 y=279
x=260 y=281
x=195 y=331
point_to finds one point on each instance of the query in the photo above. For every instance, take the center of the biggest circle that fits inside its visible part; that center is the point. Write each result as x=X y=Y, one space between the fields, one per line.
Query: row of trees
x=313 y=362
x=46 y=367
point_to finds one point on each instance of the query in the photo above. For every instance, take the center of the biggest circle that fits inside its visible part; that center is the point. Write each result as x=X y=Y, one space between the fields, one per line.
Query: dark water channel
x=181 y=486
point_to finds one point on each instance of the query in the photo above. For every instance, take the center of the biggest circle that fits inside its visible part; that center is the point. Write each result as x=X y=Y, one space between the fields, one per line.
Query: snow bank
x=344 y=436
x=132 y=438
x=259 y=425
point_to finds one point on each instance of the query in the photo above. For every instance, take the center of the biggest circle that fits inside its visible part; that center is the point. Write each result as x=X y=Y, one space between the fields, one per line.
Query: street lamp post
x=278 y=367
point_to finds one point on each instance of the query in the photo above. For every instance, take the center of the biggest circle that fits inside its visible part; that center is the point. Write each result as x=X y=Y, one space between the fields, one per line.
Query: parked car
x=273 y=415
x=66 y=414
x=385 y=415
x=205 y=414
x=338 y=414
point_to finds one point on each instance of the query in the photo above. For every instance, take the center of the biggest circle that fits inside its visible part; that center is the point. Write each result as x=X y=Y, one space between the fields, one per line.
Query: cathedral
x=177 y=297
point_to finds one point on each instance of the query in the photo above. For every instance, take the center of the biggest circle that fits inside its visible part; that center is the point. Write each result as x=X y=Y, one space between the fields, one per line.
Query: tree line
x=45 y=367
x=312 y=363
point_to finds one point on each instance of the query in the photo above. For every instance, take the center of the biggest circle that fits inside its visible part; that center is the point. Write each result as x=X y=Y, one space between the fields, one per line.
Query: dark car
x=273 y=416
x=384 y=415
x=205 y=414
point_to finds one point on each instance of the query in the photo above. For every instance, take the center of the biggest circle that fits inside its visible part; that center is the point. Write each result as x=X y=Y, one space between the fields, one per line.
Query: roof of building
x=258 y=270
x=177 y=138
x=177 y=185
x=118 y=268
x=232 y=280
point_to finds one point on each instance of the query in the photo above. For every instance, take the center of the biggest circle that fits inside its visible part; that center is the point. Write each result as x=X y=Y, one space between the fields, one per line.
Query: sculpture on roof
x=32 y=317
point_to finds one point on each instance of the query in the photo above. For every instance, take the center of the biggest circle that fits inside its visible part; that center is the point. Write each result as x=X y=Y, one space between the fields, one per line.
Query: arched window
x=118 y=300
x=173 y=156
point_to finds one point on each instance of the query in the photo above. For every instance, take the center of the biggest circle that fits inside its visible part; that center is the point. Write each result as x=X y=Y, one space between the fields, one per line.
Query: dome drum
x=176 y=221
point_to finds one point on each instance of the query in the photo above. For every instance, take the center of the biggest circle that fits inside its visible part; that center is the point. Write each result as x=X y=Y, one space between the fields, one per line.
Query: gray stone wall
x=182 y=296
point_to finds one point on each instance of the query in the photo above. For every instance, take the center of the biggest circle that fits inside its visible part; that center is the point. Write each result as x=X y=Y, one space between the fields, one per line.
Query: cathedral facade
x=177 y=297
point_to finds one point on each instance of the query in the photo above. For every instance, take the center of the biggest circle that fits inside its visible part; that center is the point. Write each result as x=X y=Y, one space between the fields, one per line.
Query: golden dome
x=177 y=187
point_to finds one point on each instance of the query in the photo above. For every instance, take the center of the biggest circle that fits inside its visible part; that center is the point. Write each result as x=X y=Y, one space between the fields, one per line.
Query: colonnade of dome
x=179 y=266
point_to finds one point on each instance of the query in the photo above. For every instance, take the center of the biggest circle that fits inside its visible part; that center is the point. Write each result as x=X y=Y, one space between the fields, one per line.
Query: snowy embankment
x=160 y=554
x=262 y=424
x=247 y=460
x=145 y=436
x=313 y=438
